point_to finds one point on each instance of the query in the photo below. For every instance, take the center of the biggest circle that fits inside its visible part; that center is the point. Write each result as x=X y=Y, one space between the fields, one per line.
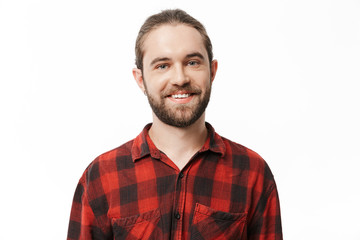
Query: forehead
x=173 y=41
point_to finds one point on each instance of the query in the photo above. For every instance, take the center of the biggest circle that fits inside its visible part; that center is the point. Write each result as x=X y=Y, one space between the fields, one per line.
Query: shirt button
x=181 y=175
x=177 y=215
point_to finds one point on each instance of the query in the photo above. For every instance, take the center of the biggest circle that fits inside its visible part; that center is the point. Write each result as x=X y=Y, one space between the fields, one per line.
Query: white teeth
x=180 y=95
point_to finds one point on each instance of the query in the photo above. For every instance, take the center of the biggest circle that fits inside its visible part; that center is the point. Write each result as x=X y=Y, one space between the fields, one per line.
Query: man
x=178 y=179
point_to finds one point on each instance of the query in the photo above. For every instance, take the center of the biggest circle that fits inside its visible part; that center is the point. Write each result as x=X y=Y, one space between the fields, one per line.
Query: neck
x=179 y=144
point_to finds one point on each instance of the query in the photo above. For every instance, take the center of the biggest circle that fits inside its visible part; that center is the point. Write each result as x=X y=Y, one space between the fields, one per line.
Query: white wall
x=287 y=87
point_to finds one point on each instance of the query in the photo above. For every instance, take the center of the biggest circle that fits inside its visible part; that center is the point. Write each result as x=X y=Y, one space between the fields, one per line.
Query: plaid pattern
x=226 y=191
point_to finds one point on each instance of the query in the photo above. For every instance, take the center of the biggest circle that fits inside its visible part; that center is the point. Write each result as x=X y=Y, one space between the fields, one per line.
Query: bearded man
x=178 y=179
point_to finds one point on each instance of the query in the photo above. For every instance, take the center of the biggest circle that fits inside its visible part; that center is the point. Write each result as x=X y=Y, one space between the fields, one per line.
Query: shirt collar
x=144 y=146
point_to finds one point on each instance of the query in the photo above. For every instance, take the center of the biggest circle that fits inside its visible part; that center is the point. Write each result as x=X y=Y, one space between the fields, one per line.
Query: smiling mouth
x=180 y=96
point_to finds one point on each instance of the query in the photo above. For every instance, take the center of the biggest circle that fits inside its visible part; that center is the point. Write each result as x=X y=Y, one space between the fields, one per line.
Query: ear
x=137 y=73
x=214 y=67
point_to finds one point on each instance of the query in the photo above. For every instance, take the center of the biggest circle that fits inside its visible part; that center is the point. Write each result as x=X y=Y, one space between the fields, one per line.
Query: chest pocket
x=211 y=224
x=142 y=226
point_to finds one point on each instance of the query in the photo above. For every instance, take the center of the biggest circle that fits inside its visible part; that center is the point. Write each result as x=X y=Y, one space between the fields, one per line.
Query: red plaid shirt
x=135 y=191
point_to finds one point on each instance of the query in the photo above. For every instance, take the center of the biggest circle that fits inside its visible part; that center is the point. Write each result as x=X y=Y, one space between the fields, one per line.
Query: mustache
x=187 y=89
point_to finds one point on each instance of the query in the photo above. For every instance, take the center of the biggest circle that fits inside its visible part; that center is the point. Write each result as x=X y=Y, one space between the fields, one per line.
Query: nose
x=180 y=77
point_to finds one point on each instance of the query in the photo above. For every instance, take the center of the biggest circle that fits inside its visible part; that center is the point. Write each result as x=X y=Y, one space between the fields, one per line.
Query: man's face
x=177 y=75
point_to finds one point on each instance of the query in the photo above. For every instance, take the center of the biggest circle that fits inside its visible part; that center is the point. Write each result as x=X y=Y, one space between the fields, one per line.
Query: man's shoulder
x=122 y=151
x=239 y=149
x=245 y=158
x=110 y=161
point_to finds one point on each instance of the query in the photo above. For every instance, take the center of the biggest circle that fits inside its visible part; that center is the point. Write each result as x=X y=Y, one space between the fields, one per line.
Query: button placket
x=180 y=203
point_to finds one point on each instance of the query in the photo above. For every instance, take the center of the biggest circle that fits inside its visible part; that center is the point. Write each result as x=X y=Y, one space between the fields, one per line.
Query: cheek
x=201 y=78
x=155 y=84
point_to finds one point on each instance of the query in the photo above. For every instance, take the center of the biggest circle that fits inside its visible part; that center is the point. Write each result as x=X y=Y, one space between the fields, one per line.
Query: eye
x=193 y=63
x=161 y=66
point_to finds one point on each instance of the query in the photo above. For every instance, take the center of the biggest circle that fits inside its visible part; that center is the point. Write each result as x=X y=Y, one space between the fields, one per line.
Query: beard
x=183 y=115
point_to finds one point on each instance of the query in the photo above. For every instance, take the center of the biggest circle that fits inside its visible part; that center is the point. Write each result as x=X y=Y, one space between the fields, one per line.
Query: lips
x=181 y=96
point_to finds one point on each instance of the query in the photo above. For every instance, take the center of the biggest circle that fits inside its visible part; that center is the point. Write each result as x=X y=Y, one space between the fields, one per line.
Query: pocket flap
x=141 y=226
x=220 y=215
x=128 y=221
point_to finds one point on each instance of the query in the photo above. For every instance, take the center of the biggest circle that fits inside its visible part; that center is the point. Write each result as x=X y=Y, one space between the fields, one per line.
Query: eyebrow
x=159 y=59
x=195 y=54
x=191 y=55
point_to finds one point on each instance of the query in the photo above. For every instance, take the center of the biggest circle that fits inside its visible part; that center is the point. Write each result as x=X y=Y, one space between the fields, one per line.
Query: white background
x=287 y=87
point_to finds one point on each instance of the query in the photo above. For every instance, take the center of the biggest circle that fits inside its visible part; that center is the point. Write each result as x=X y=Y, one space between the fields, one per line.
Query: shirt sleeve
x=266 y=224
x=83 y=223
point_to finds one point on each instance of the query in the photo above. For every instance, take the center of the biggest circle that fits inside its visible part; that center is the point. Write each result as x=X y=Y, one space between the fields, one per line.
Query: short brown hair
x=175 y=16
